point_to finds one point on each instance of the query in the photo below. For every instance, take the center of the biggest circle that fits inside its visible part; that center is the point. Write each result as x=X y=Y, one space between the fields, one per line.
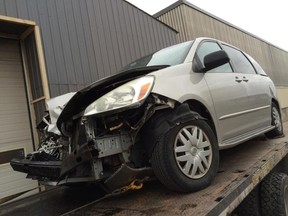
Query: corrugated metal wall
x=192 y=23
x=85 y=40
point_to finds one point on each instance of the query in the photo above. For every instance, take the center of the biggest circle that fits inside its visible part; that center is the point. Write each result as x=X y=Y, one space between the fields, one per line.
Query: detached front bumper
x=48 y=169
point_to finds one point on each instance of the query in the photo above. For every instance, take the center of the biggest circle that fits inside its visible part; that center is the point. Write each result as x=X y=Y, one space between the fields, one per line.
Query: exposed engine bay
x=101 y=148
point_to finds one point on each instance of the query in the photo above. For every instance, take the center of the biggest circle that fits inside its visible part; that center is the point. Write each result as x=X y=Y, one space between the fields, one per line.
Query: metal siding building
x=83 y=41
x=192 y=22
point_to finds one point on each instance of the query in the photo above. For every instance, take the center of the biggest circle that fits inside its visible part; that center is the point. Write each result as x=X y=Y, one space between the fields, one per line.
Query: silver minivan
x=167 y=113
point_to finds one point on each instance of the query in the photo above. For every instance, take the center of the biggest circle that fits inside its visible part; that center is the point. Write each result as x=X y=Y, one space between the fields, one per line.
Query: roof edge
x=167 y=9
x=180 y=2
x=17 y=20
x=176 y=31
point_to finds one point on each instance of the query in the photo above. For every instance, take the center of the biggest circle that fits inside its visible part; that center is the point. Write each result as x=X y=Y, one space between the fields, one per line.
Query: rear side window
x=241 y=63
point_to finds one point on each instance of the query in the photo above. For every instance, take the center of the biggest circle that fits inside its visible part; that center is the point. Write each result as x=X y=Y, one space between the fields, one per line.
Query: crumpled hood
x=89 y=94
x=55 y=106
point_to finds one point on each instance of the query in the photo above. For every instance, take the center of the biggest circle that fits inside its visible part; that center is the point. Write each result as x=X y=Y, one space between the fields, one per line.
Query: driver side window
x=207 y=48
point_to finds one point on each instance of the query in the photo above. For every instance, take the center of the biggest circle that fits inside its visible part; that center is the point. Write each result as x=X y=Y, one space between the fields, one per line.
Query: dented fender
x=164 y=121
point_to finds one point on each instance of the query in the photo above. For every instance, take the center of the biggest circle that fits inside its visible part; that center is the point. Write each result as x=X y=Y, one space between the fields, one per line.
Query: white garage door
x=15 y=132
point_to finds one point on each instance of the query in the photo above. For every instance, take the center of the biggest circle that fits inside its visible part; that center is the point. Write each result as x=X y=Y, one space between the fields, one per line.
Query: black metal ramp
x=53 y=202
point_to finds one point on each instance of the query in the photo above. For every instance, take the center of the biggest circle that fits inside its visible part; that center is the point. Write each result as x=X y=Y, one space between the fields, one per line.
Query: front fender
x=161 y=122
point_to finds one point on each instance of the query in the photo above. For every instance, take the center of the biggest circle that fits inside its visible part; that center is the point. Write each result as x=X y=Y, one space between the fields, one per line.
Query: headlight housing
x=129 y=94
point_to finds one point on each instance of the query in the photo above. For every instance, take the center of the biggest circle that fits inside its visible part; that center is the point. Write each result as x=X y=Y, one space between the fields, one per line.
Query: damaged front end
x=100 y=136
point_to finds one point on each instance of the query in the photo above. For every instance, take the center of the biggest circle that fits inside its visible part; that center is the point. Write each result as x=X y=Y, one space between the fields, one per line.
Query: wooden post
x=41 y=61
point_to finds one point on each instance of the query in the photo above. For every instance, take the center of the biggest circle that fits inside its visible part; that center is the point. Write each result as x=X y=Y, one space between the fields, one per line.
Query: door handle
x=237 y=79
x=245 y=79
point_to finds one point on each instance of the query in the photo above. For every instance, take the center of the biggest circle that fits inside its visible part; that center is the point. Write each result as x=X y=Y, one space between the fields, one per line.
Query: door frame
x=30 y=28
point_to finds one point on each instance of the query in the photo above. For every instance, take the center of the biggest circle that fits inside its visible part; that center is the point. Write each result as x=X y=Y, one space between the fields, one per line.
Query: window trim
x=257 y=72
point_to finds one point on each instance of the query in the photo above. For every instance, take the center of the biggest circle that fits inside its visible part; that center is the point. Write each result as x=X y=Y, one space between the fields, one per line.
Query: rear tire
x=276 y=121
x=250 y=205
x=186 y=158
x=274 y=195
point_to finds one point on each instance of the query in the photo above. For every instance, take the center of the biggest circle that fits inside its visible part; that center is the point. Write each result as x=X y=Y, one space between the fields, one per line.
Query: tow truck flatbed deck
x=241 y=169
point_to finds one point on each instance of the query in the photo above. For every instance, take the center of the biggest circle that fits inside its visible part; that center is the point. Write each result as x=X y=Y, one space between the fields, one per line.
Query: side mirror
x=215 y=59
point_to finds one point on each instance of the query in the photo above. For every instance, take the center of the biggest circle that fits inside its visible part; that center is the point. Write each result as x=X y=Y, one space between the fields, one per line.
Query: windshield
x=172 y=55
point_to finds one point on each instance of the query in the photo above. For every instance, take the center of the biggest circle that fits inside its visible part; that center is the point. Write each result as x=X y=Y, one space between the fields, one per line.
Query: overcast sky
x=264 y=18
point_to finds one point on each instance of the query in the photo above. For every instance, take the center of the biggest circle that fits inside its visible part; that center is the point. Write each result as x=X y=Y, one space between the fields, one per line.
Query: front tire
x=276 y=121
x=186 y=158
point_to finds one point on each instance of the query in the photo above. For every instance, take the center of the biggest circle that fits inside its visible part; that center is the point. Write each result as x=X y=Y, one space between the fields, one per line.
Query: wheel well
x=277 y=104
x=198 y=107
